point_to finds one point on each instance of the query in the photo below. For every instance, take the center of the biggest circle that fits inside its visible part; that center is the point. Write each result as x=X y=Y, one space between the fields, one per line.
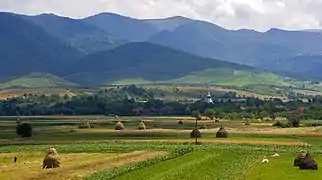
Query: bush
x=294 y=120
x=73 y=131
x=247 y=123
x=278 y=124
x=316 y=124
x=24 y=130
x=282 y=124
x=142 y=126
x=119 y=126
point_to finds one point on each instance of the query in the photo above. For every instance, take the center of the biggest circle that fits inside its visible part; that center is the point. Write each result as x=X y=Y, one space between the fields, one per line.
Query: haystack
x=195 y=134
x=142 y=126
x=180 y=122
x=299 y=158
x=51 y=160
x=308 y=163
x=222 y=133
x=119 y=126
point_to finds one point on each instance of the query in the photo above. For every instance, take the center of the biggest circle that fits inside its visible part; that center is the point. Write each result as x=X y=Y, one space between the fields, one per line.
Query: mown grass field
x=162 y=152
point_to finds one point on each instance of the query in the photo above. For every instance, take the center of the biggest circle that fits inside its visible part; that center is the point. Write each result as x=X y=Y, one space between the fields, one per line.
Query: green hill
x=140 y=60
x=36 y=80
x=222 y=76
x=233 y=77
x=146 y=63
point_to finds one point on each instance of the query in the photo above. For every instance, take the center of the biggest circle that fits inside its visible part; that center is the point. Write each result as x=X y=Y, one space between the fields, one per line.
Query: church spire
x=209 y=99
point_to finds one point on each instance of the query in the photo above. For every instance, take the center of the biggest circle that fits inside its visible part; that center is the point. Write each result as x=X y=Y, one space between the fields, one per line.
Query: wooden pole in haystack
x=196 y=127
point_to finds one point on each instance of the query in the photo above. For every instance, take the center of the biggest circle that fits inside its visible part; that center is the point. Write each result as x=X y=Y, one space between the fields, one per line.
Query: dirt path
x=78 y=167
x=260 y=129
x=228 y=141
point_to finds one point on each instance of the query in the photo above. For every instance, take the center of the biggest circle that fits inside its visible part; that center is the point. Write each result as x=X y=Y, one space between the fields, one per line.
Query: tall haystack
x=195 y=134
x=51 y=159
x=119 y=126
x=222 y=133
x=142 y=126
x=299 y=158
x=308 y=163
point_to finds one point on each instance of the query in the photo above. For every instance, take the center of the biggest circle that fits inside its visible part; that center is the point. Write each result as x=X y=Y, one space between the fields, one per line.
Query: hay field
x=75 y=165
x=164 y=151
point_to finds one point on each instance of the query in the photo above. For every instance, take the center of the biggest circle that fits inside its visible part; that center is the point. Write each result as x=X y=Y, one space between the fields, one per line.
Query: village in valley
x=160 y=90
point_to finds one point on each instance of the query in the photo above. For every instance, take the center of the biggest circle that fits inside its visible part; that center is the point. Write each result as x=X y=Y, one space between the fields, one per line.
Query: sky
x=260 y=15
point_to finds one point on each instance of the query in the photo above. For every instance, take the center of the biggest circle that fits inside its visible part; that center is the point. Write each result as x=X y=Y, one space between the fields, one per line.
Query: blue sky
x=232 y=14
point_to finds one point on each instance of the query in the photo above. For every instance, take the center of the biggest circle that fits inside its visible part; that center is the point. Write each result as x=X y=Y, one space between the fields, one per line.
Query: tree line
x=136 y=101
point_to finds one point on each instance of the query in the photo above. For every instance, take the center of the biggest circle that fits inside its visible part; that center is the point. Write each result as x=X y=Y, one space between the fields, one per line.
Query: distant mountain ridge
x=127 y=28
x=26 y=48
x=169 y=24
x=82 y=36
x=109 y=47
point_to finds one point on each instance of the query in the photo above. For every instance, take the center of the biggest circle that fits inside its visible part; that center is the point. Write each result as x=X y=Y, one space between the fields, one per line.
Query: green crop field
x=162 y=152
x=197 y=165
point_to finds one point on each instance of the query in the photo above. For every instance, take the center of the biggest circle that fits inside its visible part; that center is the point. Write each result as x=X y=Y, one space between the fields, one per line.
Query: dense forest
x=136 y=101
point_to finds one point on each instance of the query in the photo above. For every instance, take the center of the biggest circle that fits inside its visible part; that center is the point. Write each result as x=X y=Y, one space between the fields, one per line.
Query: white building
x=208 y=99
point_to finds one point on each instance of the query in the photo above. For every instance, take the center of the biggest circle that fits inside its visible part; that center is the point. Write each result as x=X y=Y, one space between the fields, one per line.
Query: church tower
x=209 y=99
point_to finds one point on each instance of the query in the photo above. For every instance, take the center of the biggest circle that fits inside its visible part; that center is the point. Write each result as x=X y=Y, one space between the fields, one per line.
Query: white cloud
x=232 y=14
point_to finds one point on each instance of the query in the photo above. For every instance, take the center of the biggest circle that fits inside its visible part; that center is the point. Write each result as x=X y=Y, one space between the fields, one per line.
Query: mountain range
x=107 y=47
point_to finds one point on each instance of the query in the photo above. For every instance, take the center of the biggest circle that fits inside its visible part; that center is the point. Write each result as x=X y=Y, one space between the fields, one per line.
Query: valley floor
x=163 y=152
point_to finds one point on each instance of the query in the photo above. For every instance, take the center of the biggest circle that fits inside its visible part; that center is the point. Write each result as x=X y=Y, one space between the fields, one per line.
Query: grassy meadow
x=164 y=151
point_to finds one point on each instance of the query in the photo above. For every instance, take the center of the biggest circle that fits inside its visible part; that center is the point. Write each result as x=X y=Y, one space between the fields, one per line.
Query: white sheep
x=275 y=155
x=265 y=161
